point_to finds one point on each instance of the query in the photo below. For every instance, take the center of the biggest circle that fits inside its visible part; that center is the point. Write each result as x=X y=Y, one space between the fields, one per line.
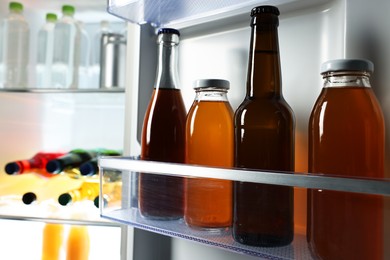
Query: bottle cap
x=168 y=31
x=347 y=65
x=68 y=9
x=65 y=199
x=265 y=9
x=29 y=198
x=51 y=17
x=88 y=169
x=12 y=168
x=211 y=83
x=16 y=6
x=54 y=166
x=96 y=201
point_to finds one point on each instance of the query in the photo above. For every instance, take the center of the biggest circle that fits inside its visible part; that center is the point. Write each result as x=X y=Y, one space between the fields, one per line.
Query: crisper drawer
x=122 y=204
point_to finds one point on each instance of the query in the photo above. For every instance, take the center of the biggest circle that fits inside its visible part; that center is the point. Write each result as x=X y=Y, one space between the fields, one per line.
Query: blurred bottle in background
x=36 y=164
x=66 y=59
x=14 y=48
x=85 y=54
x=95 y=53
x=45 y=45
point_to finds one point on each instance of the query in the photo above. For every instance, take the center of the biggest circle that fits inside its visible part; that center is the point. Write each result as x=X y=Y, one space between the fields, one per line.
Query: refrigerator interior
x=38 y=120
x=215 y=45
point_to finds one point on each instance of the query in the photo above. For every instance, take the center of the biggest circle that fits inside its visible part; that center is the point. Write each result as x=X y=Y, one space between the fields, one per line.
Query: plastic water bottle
x=85 y=60
x=45 y=52
x=66 y=50
x=14 y=48
x=96 y=51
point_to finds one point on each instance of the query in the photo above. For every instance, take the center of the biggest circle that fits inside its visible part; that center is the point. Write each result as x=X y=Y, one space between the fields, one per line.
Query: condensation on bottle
x=14 y=53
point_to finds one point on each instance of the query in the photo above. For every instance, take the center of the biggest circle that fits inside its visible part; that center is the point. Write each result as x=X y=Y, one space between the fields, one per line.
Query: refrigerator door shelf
x=182 y=13
x=124 y=209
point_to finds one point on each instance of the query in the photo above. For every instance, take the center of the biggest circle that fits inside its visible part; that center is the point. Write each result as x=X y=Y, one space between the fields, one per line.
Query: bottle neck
x=167 y=76
x=264 y=74
x=211 y=94
x=346 y=79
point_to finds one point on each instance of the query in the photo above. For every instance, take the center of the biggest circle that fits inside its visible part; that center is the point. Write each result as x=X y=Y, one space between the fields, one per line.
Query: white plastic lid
x=347 y=65
x=211 y=83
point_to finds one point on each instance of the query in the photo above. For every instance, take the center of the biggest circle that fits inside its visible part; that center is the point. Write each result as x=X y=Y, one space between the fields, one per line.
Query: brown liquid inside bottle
x=346 y=137
x=209 y=141
x=264 y=140
x=163 y=139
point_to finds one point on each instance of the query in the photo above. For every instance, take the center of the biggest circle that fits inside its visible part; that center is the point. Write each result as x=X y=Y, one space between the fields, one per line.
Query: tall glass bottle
x=347 y=138
x=264 y=140
x=163 y=135
x=15 y=34
x=209 y=141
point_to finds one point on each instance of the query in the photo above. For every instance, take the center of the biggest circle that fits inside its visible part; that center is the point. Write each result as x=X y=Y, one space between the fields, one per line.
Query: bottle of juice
x=346 y=138
x=163 y=135
x=53 y=236
x=37 y=164
x=264 y=140
x=209 y=141
x=78 y=243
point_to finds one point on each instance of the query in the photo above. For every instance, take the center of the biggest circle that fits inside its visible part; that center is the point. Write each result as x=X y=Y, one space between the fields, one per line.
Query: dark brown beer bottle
x=264 y=140
x=163 y=135
x=347 y=138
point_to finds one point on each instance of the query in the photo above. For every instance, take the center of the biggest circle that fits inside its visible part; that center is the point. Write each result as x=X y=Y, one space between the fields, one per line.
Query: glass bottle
x=45 y=52
x=37 y=164
x=66 y=56
x=15 y=34
x=347 y=138
x=264 y=140
x=163 y=135
x=89 y=190
x=209 y=141
x=71 y=159
x=51 y=189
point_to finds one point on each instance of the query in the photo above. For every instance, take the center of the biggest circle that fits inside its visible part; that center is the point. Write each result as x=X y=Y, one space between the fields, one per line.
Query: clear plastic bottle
x=85 y=54
x=95 y=53
x=15 y=48
x=66 y=57
x=45 y=52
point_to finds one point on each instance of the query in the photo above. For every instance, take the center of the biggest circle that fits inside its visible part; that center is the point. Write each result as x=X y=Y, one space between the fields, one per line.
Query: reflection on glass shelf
x=223 y=239
x=125 y=209
x=173 y=12
x=57 y=90
x=83 y=212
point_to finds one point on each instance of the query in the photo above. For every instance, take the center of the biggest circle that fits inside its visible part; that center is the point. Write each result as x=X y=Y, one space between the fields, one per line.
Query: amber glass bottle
x=346 y=137
x=163 y=135
x=209 y=141
x=264 y=140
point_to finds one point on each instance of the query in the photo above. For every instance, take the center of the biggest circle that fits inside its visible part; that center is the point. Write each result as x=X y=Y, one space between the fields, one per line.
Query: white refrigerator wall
x=58 y=121
x=309 y=34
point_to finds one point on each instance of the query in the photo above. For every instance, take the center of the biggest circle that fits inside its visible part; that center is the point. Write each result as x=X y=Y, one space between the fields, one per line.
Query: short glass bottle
x=347 y=138
x=209 y=142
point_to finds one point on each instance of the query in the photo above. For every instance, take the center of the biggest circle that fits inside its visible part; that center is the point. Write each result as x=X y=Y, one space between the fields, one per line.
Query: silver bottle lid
x=211 y=83
x=347 y=65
